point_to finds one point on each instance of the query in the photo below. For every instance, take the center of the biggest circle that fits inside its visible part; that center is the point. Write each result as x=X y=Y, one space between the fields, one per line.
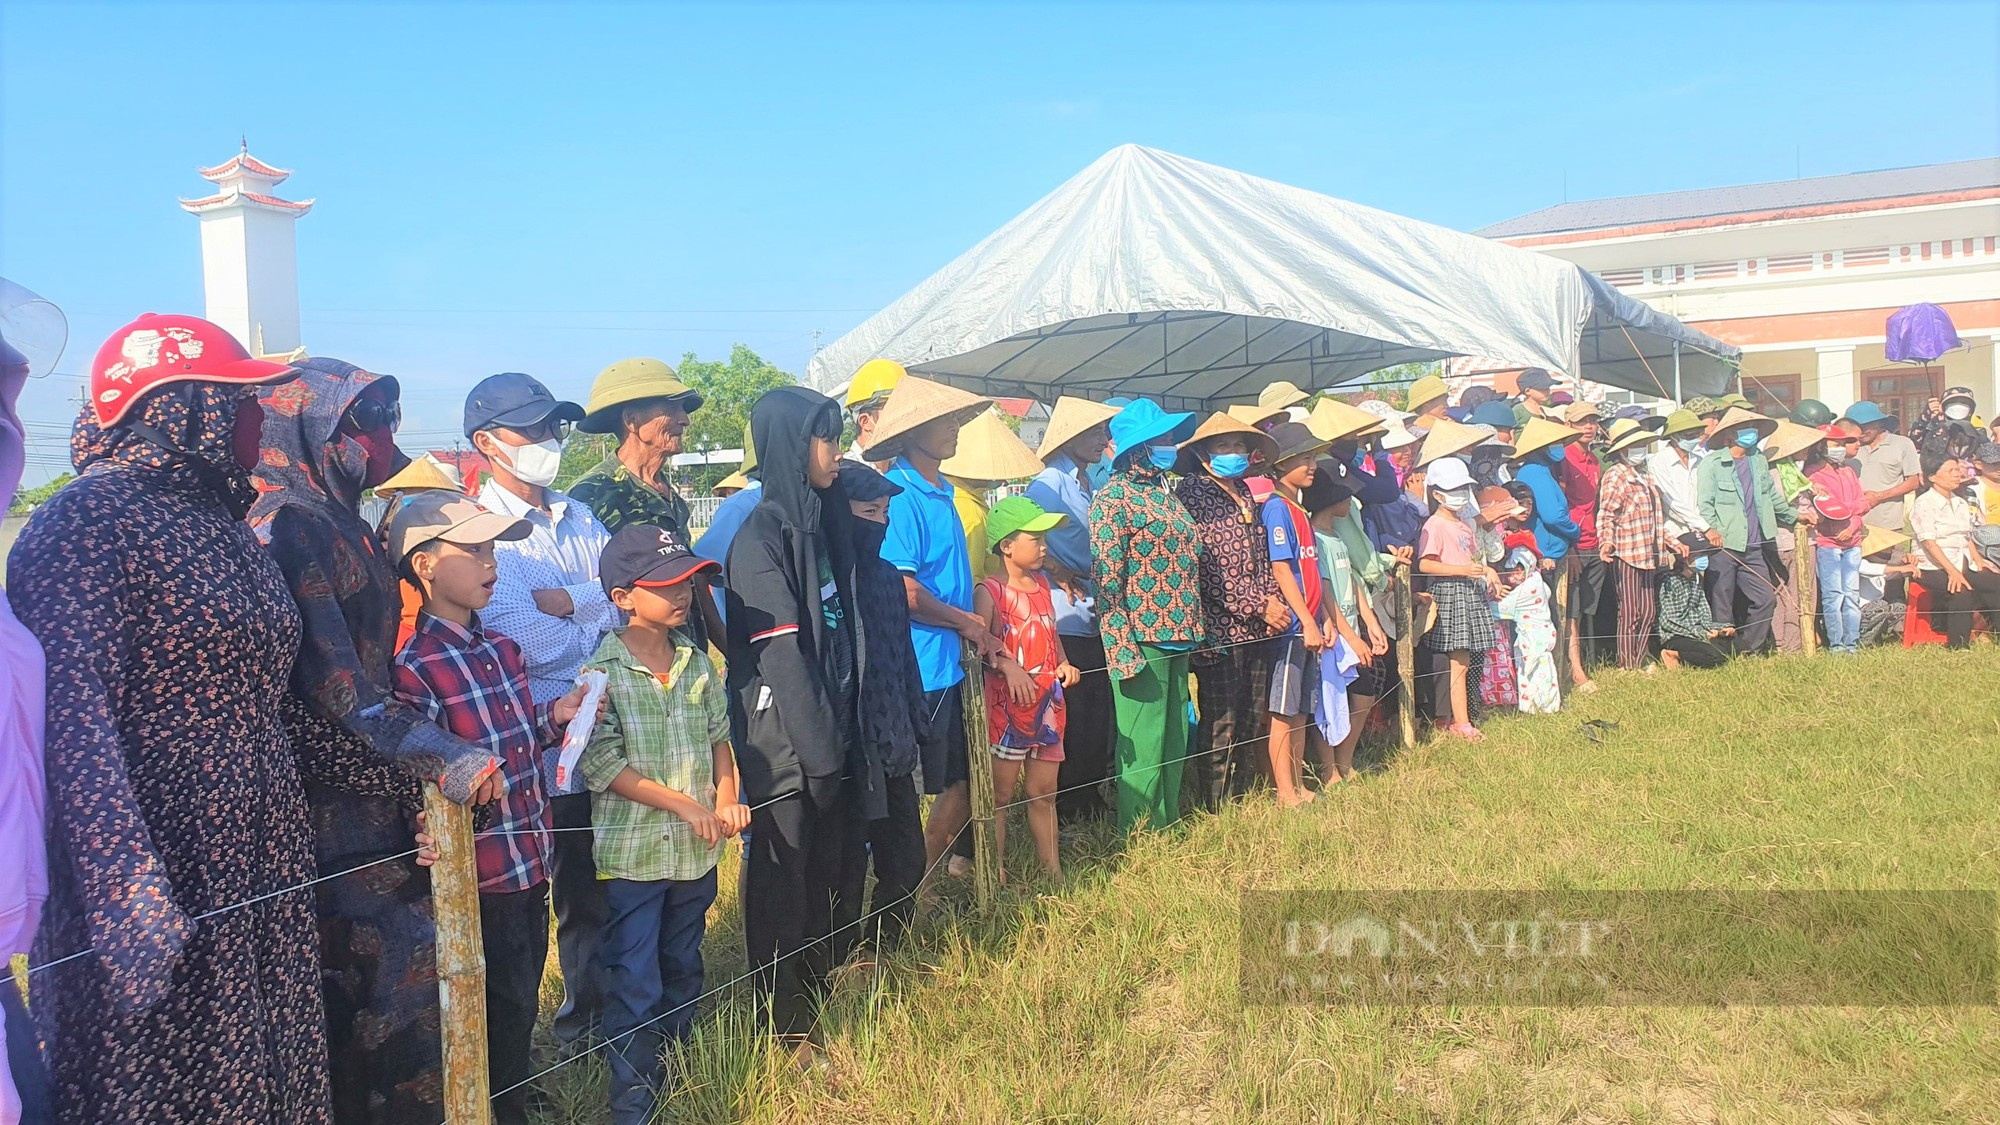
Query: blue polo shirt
x=927 y=542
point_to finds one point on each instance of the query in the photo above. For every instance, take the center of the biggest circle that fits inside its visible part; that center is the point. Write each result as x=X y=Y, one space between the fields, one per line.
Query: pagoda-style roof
x=244 y=164
x=234 y=197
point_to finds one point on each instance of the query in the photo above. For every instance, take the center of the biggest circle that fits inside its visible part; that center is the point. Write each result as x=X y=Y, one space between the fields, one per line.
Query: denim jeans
x=652 y=973
x=1840 y=596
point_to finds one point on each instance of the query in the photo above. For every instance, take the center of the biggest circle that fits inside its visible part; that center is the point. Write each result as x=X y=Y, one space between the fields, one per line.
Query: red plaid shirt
x=1631 y=517
x=475 y=684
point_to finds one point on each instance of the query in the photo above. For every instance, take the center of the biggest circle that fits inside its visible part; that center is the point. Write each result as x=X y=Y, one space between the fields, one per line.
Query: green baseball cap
x=1018 y=513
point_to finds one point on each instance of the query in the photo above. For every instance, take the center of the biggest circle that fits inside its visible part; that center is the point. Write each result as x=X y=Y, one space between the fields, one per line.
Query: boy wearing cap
x=664 y=794
x=474 y=683
x=1025 y=679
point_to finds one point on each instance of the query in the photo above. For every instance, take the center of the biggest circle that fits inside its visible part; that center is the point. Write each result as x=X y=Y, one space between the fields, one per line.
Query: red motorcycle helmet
x=158 y=349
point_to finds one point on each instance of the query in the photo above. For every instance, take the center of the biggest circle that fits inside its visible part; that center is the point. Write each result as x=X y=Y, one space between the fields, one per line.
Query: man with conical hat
x=917 y=431
x=1740 y=501
x=1077 y=435
x=867 y=393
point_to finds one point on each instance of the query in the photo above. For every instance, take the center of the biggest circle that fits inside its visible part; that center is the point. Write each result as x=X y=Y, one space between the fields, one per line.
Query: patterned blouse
x=1145 y=548
x=1631 y=517
x=1234 y=569
x=616 y=496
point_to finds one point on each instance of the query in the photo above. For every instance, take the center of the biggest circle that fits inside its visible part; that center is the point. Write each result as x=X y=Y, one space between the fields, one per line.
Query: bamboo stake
x=979 y=758
x=1806 y=559
x=1563 y=628
x=1406 y=655
x=461 y=961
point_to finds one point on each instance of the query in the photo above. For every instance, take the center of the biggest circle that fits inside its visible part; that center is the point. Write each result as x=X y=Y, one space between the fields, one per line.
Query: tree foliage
x=28 y=499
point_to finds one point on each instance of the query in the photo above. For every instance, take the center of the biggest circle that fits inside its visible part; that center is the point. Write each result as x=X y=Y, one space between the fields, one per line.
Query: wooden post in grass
x=1563 y=627
x=1406 y=654
x=461 y=961
x=1806 y=559
x=979 y=759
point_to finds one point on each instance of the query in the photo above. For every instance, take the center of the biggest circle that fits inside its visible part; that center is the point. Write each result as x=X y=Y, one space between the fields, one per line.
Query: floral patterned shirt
x=1234 y=568
x=1144 y=547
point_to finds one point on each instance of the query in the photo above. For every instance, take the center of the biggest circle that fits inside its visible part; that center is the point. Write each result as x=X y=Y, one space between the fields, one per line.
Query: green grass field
x=1115 y=998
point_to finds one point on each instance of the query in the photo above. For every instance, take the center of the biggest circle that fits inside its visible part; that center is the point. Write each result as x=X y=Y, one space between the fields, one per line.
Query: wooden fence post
x=1806 y=558
x=461 y=961
x=1406 y=654
x=979 y=758
x=1563 y=627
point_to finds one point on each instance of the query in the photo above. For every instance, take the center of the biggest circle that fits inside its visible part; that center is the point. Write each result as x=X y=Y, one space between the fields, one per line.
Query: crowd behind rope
x=247 y=683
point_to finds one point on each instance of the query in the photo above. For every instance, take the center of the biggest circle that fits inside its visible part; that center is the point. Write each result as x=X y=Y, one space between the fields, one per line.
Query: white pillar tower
x=249 y=253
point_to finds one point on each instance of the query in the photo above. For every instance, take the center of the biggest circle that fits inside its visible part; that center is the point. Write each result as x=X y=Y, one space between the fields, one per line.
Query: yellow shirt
x=970 y=500
x=1989 y=494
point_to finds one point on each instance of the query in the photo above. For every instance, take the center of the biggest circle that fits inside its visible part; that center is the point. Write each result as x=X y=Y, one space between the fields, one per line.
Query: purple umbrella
x=1920 y=333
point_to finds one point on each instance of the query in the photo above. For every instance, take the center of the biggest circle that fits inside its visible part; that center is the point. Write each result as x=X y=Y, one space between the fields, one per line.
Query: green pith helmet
x=1812 y=412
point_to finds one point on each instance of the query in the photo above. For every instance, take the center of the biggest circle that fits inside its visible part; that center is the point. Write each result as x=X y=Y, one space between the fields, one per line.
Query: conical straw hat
x=1280 y=395
x=1626 y=433
x=1189 y=461
x=1790 y=439
x=1539 y=434
x=1071 y=417
x=914 y=402
x=735 y=481
x=1448 y=439
x=1881 y=539
x=1332 y=420
x=988 y=449
x=1737 y=418
x=418 y=476
x=1255 y=416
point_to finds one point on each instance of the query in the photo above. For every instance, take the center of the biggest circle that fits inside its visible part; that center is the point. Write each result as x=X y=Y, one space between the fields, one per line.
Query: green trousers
x=1152 y=739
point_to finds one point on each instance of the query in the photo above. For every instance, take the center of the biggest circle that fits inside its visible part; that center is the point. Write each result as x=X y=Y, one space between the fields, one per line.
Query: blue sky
x=550 y=188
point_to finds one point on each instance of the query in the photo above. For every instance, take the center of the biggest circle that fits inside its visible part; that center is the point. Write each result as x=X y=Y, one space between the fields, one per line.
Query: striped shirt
x=560 y=552
x=474 y=683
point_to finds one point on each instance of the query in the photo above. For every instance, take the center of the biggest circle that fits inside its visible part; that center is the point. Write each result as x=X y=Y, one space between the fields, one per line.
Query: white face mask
x=1457 y=499
x=1958 y=412
x=1836 y=455
x=536 y=463
x=1636 y=455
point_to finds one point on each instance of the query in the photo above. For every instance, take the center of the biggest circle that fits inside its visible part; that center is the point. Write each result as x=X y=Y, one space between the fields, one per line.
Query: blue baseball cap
x=1142 y=423
x=512 y=399
x=1865 y=413
x=1498 y=414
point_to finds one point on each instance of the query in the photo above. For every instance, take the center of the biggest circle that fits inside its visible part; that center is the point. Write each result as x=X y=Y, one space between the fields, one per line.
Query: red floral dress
x=1027 y=621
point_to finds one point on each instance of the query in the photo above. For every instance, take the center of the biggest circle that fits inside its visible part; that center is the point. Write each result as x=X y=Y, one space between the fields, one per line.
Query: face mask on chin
x=536 y=463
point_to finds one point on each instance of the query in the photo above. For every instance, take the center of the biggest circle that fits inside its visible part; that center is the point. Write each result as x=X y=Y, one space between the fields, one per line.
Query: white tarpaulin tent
x=1151 y=274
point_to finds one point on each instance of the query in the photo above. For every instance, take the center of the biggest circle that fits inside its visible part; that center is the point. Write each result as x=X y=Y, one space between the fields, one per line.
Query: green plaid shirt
x=665 y=729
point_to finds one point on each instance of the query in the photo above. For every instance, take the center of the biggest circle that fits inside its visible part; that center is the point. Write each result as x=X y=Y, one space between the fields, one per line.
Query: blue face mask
x=1689 y=444
x=1556 y=454
x=1162 y=456
x=1231 y=465
x=1747 y=439
x=1700 y=563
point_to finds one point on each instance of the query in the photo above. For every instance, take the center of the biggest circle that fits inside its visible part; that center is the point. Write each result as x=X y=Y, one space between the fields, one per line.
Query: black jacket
x=787 y=717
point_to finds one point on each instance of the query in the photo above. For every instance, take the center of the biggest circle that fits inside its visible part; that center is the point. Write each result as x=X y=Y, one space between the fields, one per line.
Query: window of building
x=1772 y=395
x=1903 y=391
